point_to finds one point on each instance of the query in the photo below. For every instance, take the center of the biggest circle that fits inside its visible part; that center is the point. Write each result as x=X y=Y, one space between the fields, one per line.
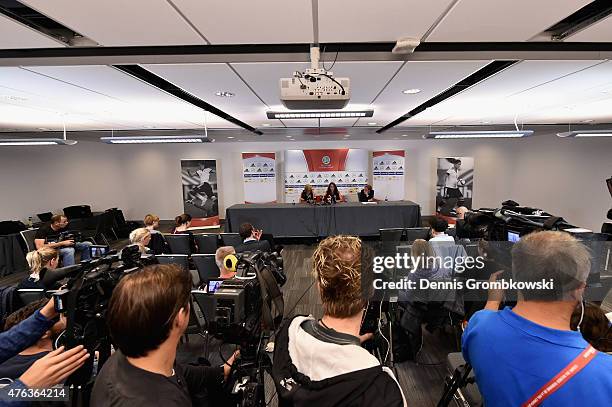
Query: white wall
x=563 y=176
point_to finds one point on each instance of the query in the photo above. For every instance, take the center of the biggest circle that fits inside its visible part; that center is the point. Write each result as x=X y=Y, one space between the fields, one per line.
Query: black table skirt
x=12 y=257
x=302 y=220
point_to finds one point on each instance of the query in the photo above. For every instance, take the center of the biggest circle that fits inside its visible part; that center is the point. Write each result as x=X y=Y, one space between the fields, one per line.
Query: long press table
x=303 y=220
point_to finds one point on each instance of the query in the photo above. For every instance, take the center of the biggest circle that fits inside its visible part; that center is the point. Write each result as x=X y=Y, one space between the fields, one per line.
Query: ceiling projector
x=315 y=88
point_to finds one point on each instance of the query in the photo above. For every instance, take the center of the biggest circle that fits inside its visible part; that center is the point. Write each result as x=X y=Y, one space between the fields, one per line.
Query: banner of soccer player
x=200 y=193
x=455 y=184
x=347 y=168
x=259 y=177
x=388 y=175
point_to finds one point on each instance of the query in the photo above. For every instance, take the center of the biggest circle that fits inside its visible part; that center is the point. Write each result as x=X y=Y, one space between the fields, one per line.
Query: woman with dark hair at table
x=182 y=224
x=332 y=195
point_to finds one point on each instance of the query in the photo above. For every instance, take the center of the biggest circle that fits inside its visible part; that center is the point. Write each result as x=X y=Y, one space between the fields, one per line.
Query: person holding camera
x=322 y=361
x=20 y=363
x=49 y=235
x=528 y=354
x=49 y=370
x=147 y=315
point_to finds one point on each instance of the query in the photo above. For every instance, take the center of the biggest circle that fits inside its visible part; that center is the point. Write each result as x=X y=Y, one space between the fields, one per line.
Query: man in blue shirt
x=515 y=352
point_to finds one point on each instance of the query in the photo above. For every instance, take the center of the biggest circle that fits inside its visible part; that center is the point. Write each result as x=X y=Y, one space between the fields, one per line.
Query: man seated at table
x=252 y=239
x=50 y=234
x=366 y=194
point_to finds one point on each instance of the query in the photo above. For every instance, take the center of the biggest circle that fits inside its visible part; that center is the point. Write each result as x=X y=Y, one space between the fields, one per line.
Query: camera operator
x=220 y=255
x=46 y=235
x=322 y=361
x=18 y=364
x=50 y=369
x=147 y=315
x=520 y=353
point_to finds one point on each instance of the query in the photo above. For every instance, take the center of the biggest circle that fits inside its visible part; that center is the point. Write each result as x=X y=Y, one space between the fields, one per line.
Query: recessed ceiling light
x=154 y=139
x=372 y=124
x=404 y=135
x=477 y=134
x=224 y=94
x=411 y=91
x=586 y=133
x=347 y=135
x=37 y=142
x=288 y=136
x=230 y=137
x=587 y=121
x=13 y=98
x=485 y=122
x=340 y=114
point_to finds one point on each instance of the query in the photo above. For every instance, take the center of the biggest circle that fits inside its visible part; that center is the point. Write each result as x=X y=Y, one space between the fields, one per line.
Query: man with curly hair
x=321 y=362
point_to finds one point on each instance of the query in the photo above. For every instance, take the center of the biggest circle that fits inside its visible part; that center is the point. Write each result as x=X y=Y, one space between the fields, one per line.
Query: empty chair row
x=205 y=244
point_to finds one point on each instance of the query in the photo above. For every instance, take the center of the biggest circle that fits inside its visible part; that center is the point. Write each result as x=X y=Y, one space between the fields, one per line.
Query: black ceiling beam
x=478 y=76
x=356 y=47
x=160 y=83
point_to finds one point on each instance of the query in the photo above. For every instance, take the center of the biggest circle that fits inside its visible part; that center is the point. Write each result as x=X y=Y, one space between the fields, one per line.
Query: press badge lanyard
x=569 y=371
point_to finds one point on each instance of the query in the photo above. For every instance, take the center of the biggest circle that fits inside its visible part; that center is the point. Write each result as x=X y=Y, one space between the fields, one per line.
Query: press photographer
x=529 y=352
x=245 y=310
x=322 y=362
x=148 y=313
x=49 y=370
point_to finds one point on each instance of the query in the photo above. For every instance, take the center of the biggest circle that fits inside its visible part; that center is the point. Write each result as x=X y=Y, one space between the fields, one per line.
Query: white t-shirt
x=452 y=178
x=204 y=175
x=443 y=237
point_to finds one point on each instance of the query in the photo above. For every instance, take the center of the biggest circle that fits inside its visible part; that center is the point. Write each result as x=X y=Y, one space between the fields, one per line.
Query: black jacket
x=368 y=386
x=121 y=384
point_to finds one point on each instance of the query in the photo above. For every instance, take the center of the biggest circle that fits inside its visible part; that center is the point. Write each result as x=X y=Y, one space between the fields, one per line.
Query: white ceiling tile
x=502 y=20
x=16 y=35
x=93 y=97
x=250 y=22
x=530 y=92
x=204 y=80
x=598 y=32
x=118 y=22
x=430 y=77
x=364 y=20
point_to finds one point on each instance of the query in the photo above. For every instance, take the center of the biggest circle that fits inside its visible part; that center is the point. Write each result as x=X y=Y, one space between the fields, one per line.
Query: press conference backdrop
x=347 y=168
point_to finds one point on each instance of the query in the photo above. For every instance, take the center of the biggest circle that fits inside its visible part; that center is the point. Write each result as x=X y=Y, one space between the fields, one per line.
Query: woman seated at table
x=41 y=260
x=307 y=194
x=182 y=224
x=332 y=195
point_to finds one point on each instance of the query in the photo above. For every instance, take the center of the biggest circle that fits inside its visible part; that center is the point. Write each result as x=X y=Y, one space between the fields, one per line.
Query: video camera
x=510 y=222
x=244 y=310
x=84 y=302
